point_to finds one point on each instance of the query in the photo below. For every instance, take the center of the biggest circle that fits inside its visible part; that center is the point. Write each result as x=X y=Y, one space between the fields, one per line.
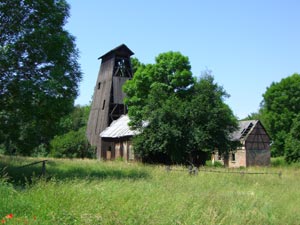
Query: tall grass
x=92 y=192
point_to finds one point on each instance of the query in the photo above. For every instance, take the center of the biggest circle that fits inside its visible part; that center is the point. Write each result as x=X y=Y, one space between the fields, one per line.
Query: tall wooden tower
x=107 y=104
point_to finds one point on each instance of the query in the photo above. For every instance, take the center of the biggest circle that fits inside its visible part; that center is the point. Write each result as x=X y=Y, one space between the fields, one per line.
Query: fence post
x=196 y=171
x=43 y=168
x=168 y=169
x=190 y=168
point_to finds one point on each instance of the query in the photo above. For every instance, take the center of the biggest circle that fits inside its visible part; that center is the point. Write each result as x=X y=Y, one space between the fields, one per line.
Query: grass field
x=93 y=192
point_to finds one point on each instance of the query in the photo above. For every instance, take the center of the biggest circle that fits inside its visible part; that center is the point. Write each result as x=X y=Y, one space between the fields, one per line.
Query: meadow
x=95 y=192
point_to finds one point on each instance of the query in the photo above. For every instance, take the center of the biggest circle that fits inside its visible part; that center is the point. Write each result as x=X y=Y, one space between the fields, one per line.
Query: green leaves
x=281 y=105
x=38 y=69
x=72 y=144
x=292 y=142
x=187 y=118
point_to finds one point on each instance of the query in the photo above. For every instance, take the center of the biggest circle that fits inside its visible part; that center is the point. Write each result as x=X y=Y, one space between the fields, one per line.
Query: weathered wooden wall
x=119 y=95
x=98 y=119
x=118 y=148
x=258 y=147
x=255 y=149
x=108 y=96
x=258 y=157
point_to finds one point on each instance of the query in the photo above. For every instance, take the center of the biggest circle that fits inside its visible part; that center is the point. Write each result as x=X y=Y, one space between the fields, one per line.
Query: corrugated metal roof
x=118 y=128
x=244 y=129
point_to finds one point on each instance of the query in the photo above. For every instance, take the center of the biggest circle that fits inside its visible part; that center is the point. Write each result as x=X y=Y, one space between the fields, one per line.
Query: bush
x=278 y=162
x=216 y=164
x=73 y=144
x=40 y=151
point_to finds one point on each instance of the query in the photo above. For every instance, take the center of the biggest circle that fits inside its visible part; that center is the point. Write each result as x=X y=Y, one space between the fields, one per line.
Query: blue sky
x=246 y=44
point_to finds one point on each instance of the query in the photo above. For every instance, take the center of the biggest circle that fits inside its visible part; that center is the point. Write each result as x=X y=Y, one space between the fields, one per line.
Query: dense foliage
x=73 y=144
x=280 y=106
x=186 y=117
x=72 y=141
x=39 y=73
x=292 y=142
x=170 y=75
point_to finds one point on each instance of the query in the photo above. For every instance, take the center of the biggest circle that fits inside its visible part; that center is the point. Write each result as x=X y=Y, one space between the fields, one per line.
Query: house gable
x=258 y=138
x=255 y=145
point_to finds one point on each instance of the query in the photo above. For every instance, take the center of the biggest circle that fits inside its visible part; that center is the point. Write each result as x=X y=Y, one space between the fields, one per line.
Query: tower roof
x=121 y=50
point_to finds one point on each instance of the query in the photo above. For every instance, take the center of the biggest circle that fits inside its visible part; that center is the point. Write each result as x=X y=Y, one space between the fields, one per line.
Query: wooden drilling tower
x=108 y=97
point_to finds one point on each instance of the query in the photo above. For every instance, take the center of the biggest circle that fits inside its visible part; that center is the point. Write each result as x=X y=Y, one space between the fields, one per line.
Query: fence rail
x=43 y=172
x=194 y=171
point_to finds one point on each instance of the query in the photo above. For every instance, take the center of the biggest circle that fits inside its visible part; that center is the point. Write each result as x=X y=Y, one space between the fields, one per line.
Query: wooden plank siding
x=98 y=119
x=108 y=97
x=258 y=147
x=254 y=149
x=119 y=95
x=118 y=148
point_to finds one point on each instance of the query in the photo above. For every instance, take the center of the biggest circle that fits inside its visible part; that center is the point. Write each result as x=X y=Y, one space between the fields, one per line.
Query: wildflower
x=9 y=216
x=3 y=221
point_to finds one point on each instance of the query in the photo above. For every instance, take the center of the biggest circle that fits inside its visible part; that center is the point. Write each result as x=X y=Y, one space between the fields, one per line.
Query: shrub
x=73 y=144
x=40 y=151
x=216 y=164
x=278 y=161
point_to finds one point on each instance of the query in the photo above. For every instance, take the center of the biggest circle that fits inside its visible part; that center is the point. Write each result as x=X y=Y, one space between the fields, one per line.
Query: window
x=232 y=156
x=103 y=105
x=99 y=85
x=219 y=157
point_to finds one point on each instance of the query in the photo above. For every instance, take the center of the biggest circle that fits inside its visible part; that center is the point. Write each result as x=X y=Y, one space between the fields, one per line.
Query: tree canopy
x=280 y=106
x=187 y=118
x=39 y=72
x=71 y=141
x=292 y=142
x=170 y=74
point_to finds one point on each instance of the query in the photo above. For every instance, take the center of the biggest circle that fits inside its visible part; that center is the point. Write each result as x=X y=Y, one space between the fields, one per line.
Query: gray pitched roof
x=118 y=128
x=244 y=129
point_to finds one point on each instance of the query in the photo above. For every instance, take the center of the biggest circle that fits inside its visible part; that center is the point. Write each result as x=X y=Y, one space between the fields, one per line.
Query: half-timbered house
x=254 y=149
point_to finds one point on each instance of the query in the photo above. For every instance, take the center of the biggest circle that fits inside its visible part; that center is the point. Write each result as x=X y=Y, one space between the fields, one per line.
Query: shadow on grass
x=23 y=175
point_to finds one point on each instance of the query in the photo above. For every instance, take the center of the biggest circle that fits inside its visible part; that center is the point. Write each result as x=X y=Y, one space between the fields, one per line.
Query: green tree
x=71 y=141
x=186 y=118
x=75 y=120
x=210 y=120
x=292 y=142
x=72 y=144
x=163 y=140
x=39 y=72
x=135 y=64
x=171 y=72
x=281 y=104
x=254 y=116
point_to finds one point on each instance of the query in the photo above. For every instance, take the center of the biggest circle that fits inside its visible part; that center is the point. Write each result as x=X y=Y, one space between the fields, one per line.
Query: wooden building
x=254 y=149
x=107 y=104
x=117 y=140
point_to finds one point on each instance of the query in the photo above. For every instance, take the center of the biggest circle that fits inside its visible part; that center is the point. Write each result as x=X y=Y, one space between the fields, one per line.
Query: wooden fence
x=194 y=171
x=43 y=162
